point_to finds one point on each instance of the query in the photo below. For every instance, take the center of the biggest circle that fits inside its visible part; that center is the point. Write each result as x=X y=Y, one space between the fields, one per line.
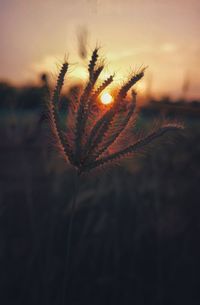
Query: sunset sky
x=161 y=34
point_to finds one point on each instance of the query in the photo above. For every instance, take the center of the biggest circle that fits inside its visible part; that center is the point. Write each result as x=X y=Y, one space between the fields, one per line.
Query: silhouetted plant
x=93 y=132
x=95 y=135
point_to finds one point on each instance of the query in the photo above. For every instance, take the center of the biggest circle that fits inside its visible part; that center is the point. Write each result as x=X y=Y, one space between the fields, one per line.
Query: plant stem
x=67 y=273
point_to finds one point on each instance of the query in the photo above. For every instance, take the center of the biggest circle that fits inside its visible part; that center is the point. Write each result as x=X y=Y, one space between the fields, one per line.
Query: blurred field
x=136 y=230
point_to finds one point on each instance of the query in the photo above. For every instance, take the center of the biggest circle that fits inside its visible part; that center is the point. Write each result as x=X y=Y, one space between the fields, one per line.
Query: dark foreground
x=136 y=232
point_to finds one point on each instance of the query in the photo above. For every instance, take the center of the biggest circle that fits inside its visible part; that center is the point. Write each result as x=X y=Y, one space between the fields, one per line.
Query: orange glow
x=169 y=45
x=106 y=98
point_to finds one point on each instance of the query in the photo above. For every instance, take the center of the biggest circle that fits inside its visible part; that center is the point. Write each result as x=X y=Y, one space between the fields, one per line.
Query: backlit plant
x=95 y=135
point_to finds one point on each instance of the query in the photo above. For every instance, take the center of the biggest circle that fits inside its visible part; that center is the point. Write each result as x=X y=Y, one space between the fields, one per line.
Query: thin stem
x=66 y=291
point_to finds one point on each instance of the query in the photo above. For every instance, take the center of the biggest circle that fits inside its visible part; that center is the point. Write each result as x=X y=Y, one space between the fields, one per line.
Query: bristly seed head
x=95 y=135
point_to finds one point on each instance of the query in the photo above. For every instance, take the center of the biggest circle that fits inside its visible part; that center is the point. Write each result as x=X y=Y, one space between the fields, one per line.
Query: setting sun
x=106 y=98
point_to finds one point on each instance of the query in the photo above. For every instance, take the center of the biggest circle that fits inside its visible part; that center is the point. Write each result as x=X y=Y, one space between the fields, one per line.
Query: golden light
x=106 y=98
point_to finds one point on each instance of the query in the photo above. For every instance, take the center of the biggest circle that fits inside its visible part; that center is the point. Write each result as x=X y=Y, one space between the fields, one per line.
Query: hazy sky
x=161 y=34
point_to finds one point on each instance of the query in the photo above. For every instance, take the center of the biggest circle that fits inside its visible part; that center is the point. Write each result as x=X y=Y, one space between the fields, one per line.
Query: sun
x=106 y=98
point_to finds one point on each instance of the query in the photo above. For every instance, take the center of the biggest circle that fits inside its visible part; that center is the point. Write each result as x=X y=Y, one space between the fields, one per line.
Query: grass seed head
x=95 y=136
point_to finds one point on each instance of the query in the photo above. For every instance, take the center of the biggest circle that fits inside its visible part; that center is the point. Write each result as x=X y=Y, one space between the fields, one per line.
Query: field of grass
x=135 y=237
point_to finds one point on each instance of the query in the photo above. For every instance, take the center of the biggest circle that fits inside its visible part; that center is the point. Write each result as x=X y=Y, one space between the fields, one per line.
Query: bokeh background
x=135 y=237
